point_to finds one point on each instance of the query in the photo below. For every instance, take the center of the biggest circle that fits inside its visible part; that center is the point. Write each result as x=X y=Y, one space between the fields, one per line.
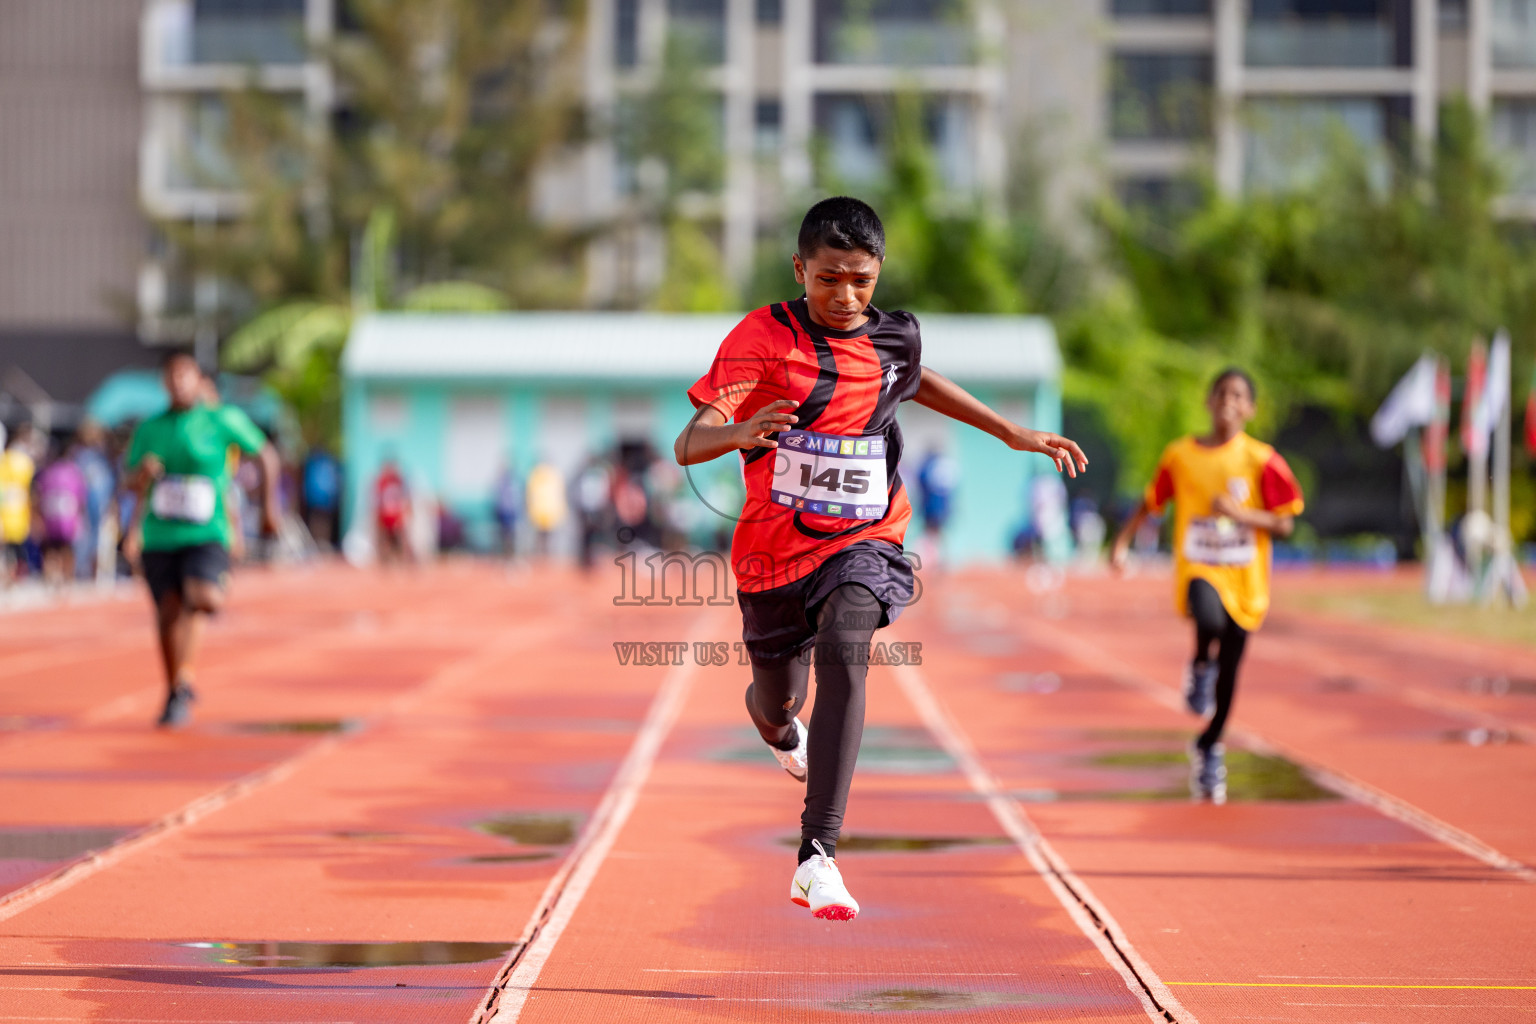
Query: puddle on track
x=350 y=954
x=885 y=750
x=302 y=727
x=1250 y=777
x=929 y=1000
x=1480 y=737
x=508 y=858
x=905 y=844
x=55 y=843
x=532 y=829
x=1502 y=686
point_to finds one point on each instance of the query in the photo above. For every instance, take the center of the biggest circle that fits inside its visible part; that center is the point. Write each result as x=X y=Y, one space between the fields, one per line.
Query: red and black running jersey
x=848 y=383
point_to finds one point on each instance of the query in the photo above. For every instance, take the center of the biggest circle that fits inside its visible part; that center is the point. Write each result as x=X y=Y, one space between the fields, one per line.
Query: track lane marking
x=508 y=993
x=1086 y=911
x=21 y=899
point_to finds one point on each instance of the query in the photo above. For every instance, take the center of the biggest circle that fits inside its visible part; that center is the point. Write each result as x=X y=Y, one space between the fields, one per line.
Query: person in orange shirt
x=1231 y=494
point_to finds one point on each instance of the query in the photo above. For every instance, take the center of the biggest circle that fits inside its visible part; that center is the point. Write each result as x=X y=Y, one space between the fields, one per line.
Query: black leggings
x=844 y=626
x=1213 y=624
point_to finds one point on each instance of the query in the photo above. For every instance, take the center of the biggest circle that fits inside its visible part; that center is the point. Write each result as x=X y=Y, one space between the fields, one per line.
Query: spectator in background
x=937 y=480
x=546 y=503
x=61 y=501
x=321 y=491
x=504 y=506
x=90 y=454
x=16 y=472
x=392 y=513
x=594 y=505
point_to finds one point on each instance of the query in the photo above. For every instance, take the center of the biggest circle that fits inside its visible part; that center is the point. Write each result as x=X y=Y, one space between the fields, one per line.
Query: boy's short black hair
x=1241 y=374
x=171 y=355
x=841 y=222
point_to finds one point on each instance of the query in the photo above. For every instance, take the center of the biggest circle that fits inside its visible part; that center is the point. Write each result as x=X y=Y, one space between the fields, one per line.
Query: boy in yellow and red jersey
x=1230 y=493
x=806 y=391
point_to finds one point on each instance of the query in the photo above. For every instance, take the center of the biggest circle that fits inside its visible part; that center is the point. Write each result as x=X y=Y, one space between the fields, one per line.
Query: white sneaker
x=819 y=885
x=794 y=760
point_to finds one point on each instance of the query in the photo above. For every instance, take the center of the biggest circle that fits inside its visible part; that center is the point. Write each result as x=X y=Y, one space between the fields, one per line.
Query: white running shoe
x=794 y=760
x=819 y=885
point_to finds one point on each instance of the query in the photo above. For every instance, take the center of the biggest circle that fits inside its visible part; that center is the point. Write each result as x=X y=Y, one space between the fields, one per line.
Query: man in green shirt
x=179 y=463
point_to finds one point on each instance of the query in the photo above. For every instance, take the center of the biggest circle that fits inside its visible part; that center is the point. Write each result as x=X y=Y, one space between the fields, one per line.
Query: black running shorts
x=779 y=623
x=166 y=571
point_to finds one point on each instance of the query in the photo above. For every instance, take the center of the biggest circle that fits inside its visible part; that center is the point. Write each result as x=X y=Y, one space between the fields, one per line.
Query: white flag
x=1411 y=404
x=1490 y=404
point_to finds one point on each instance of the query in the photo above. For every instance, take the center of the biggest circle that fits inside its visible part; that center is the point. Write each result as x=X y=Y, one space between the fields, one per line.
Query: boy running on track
x=180 y=468
x=807 y=392
x=1231 y=493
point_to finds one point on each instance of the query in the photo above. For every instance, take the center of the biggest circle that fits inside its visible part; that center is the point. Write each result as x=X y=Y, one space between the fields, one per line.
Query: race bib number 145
x=830 y=475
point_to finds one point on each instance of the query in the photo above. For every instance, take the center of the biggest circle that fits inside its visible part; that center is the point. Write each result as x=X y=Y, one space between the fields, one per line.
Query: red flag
x=1436 y=430
x=1477 y=370
x=1530 y=416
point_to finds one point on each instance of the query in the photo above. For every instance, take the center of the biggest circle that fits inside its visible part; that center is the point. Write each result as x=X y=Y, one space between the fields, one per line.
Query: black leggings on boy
x=844 y=626
x=1213 y=624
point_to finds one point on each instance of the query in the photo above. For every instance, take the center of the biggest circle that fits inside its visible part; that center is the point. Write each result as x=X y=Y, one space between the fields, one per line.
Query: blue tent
x=134 y=395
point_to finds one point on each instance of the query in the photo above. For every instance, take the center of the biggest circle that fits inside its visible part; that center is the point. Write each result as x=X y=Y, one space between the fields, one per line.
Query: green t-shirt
x=186 y=505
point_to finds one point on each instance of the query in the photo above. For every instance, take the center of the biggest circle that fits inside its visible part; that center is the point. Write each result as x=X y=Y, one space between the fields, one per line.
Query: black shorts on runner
x=166 y=571
x=780 y=623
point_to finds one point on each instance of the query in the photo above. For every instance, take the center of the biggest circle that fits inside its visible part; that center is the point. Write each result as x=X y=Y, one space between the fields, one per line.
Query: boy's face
x=183 y=381
x=839 y=285
x=1231 y=405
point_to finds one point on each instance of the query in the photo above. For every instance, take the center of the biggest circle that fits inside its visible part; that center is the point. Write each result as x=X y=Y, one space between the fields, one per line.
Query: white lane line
x=503 y=1004
x=837 y=974
x=19 y=900
x=1340 y=782
x=1085 y=909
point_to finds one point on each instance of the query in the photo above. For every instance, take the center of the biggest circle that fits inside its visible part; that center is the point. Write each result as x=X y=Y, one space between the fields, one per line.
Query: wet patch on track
x=1480 y=737
x=350 y=954
x=931 y=1000
x=300 y=727
x=27 y=854
x=538 y=836
x=886 y=750
x=1501 y=686
x=1251 y=777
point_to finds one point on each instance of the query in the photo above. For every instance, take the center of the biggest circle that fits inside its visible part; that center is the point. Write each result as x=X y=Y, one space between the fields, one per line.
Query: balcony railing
x=185 y=34
x=1296 y=43
x=903 y=33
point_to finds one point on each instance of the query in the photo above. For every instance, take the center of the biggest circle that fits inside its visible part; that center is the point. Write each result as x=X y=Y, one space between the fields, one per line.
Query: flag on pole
x=1410 y=404
x=1477 y=367
x=1440 y=424
x=1494 y=393
x=1530 y=415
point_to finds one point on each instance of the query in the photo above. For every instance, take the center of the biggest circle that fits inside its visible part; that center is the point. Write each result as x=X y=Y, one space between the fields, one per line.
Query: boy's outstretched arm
x=943 y=395
x=708 y=436
x=1121 y=548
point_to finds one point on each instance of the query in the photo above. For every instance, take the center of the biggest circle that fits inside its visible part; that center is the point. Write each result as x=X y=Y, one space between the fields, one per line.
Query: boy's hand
x=1225 y=505
x=1119 y=553
x=770 y=419
x=1069 y=458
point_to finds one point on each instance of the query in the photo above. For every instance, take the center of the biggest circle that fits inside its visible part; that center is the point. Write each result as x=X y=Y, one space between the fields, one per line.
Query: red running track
x=438 y=796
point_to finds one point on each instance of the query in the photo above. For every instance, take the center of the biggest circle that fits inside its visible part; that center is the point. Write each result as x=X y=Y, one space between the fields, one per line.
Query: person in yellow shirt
x=1231 y=494
x=16 y=471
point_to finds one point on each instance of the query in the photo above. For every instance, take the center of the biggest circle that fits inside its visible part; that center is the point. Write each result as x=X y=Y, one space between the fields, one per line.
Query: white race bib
x=185 y=499
x=830 y=475
x=1218 y=540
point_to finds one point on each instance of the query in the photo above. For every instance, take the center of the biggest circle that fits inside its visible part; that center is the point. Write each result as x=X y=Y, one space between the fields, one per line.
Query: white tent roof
x=652 y=346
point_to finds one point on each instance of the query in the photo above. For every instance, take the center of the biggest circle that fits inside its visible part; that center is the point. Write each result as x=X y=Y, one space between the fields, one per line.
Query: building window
x=770 y=12
x=248 y=32
x=626 y=33
x=1288 y=140
x=1330 y=33
x=894 y=33
x=1161 y=8
x=1513 y=127
x=699 y=26
x=1160 y=96
x=768 y=127
x=1158 y=197
x=1452 y=15
x=1514 y=33
x=855 y=134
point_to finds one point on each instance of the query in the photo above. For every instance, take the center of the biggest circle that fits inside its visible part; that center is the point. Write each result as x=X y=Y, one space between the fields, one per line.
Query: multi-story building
x=194 y=54
x=1138 y=95
x=71 y=234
